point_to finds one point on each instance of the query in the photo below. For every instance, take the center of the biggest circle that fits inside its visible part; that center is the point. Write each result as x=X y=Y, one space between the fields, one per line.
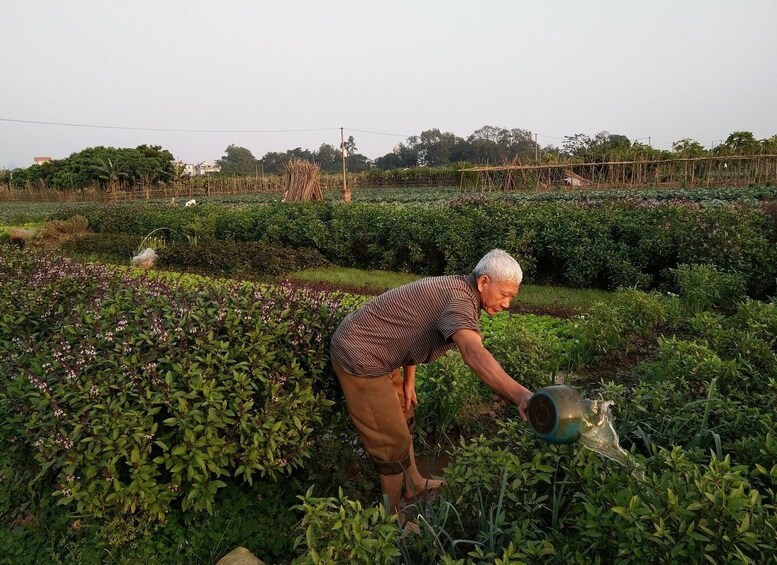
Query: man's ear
x=482 y=281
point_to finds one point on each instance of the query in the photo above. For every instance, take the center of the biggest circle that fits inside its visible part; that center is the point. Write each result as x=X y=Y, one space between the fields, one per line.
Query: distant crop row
x=580 y=244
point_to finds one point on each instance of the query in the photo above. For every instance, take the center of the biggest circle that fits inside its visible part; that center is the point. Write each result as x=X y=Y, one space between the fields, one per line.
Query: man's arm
x=480 y=360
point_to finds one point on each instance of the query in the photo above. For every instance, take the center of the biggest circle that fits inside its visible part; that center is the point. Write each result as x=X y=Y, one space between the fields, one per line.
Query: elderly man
x=375 y=351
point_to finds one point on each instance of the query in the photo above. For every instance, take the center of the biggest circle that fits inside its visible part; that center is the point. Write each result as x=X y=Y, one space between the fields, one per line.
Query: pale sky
x=243 y=70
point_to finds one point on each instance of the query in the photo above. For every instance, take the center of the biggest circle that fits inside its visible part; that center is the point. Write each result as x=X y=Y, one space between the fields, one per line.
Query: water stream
x=598 y=434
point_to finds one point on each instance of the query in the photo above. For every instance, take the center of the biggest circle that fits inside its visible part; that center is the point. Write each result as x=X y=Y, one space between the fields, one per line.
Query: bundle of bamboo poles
x=302 y=182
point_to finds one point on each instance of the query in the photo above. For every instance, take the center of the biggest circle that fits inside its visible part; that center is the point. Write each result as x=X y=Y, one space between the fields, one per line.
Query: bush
x=748 y=337
x=229 y=257
x=684 y=398
x=572 y=243
x=683 y=511
x=445 y=388
x=530 y=348
x=340 y=530
x=705 y=287
x=133 y=393
x=113 y=247
x=630 y=321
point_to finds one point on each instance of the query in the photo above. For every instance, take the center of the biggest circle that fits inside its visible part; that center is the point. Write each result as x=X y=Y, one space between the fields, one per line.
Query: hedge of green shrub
x=133 y=393
x=110 y=247
x=227 y=257
x=576 y=244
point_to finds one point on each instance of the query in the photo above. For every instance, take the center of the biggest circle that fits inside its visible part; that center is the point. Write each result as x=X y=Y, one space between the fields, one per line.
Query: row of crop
x=601 y=245
x=134 y=393
x=510 y=501
x=23 y=212
x=149 y=393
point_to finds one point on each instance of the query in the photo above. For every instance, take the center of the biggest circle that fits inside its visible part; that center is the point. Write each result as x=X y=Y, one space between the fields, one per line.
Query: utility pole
x=536 y=149
x=346 y=192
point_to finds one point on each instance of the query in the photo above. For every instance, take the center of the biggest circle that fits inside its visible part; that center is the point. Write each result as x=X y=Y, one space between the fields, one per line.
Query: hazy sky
x=242 y=70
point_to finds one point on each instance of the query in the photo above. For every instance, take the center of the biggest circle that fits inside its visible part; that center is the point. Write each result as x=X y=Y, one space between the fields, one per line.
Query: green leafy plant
x=139 y=393
x=340 y=530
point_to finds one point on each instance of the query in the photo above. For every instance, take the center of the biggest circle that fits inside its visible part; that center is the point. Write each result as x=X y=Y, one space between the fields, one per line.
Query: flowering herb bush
x=593 y=243
x=135 y=392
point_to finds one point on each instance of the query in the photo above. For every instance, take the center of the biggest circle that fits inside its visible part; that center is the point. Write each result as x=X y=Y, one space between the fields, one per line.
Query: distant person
x=375 y=350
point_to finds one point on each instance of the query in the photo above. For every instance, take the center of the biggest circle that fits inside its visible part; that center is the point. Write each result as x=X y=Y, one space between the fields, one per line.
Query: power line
x=189 y=130
x=379 y=132
x=165 y=129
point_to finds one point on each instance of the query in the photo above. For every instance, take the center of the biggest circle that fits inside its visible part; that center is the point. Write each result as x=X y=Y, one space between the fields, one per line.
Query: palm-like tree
x=110 y=172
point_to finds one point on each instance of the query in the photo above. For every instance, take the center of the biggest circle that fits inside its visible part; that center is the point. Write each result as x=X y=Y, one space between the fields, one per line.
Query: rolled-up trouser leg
x=375 y=406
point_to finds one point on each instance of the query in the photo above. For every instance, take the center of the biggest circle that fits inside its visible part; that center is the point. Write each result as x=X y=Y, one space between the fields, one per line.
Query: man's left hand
x=408 y=387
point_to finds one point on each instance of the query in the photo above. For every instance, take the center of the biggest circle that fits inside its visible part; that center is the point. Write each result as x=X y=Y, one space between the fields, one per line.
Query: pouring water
x=557 y=414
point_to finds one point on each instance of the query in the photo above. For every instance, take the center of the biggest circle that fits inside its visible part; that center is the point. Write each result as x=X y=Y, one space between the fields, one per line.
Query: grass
x=576 y=298
x=5 y=229
x=379 y=281
x=530 y=295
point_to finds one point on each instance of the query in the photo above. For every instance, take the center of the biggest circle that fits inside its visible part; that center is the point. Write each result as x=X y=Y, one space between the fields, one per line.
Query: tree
x=358 y=163
x=487 y=145
x=350 y=146
x=273 y=162
x=769 y=145
x=238 y=161
x=740 y=143
x=521 y=144
x=328 y=158
x=577 y=145
x=110 y=172
x=435 y=148
x=402 y=156
x=688 y=147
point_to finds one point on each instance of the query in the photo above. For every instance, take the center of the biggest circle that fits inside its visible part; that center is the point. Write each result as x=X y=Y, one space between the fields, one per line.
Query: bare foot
x=422 y=487
x=410 y=528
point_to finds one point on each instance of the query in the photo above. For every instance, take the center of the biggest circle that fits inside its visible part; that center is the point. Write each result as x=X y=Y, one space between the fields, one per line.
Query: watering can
x=556 y=414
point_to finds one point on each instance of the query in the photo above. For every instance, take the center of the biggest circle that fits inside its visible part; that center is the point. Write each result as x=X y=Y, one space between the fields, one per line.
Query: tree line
x=490 y=145
x=109 y=167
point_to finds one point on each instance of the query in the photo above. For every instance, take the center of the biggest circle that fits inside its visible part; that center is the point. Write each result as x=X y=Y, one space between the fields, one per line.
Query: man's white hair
x=499 y=266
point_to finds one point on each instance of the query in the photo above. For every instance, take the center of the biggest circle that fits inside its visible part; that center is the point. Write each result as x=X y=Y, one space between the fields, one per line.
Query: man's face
x=495 y=296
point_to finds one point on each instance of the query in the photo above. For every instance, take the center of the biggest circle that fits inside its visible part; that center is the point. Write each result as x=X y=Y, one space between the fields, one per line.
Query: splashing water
x=599 y=435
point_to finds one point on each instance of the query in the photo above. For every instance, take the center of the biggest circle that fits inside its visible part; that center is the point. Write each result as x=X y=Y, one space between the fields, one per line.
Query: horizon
x=195 y=77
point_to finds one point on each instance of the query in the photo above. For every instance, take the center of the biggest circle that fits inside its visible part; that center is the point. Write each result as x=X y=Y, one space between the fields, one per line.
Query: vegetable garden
x=167 y=417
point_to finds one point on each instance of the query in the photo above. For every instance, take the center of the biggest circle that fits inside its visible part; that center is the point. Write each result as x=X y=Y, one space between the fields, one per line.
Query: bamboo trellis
x=728 y=171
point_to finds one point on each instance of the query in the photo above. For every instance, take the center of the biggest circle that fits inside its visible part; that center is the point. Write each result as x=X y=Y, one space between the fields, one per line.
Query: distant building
x=206 y=167
x=41 y=160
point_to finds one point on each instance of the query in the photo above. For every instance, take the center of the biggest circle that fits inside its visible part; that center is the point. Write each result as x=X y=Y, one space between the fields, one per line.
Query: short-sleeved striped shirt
x=407 y=325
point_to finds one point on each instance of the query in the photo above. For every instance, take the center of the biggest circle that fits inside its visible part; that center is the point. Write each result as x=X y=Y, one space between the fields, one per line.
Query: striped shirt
x=407 y=325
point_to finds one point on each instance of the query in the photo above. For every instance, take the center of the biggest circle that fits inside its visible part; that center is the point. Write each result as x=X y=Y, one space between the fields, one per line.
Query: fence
x=729 y=171
x=217 y=185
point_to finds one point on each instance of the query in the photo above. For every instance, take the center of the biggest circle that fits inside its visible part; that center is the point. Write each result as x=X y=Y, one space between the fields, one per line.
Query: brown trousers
x=376 y=408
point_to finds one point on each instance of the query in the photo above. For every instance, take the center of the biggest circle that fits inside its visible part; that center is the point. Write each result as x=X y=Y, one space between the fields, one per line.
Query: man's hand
x=523 y=404
x=408 y=387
